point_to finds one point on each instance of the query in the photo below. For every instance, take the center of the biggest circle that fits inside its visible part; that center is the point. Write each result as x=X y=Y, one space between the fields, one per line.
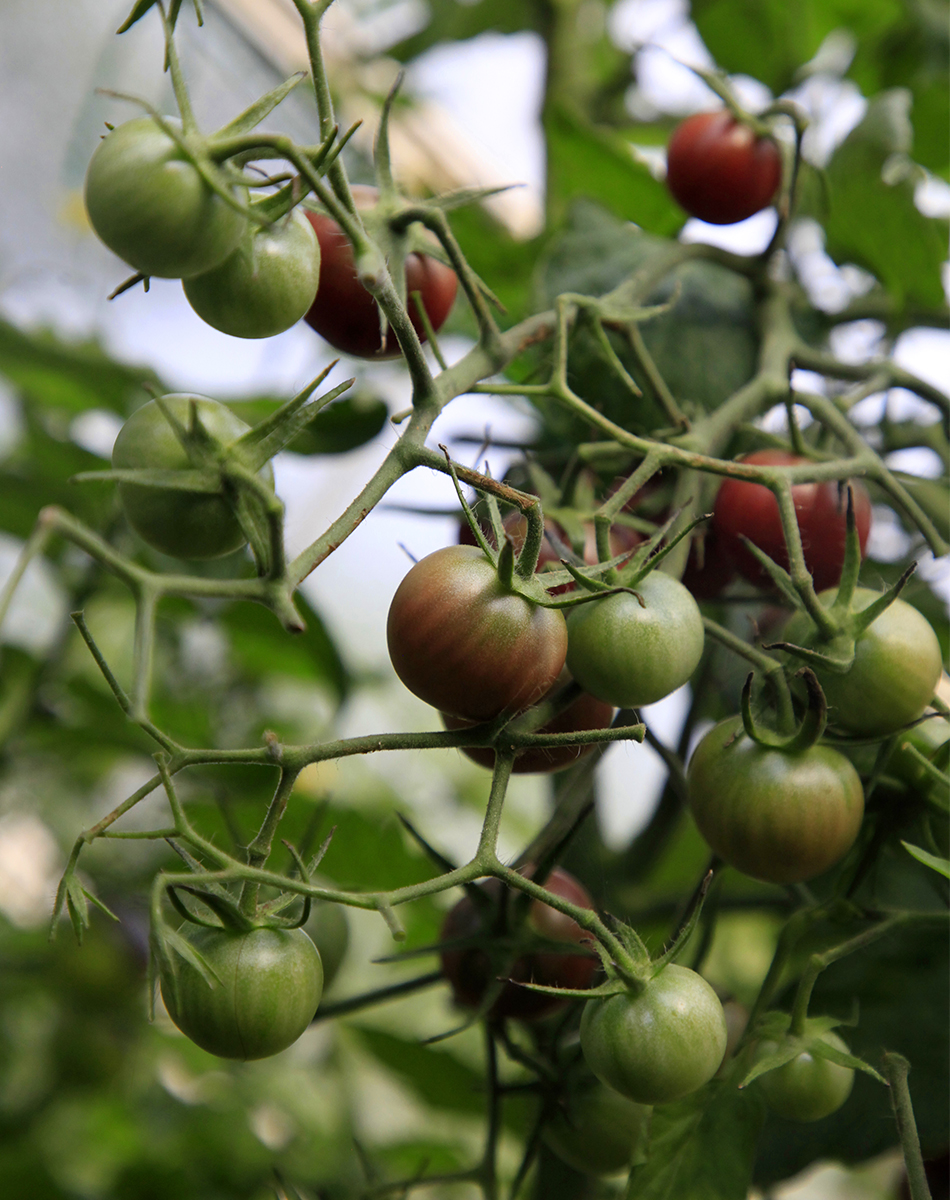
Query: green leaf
x=435 y=1075
x=702 y=1147
x=341 y=426
x=73 y=377
x=457 y=21
x=588 y=161
x=875 y=223
x=940 y=865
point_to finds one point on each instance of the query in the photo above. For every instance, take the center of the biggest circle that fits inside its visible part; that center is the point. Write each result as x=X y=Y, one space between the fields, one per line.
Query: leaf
x=596 y=163
x=74 y=377
x=940 y=865
x=702 y=1147
x=871 y=218
x=435 y=1075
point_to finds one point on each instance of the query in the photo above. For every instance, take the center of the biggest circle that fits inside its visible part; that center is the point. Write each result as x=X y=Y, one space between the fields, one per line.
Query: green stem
x=897 y=1068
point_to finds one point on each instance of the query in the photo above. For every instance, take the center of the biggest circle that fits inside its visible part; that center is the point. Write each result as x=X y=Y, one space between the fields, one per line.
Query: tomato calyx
x=777 y=1042
x=812 y=724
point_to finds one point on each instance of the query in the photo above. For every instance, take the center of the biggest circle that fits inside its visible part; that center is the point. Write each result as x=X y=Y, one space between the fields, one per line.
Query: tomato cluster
x=150 y=202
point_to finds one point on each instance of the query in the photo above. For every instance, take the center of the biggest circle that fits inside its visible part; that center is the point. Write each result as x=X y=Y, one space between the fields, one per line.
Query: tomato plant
x=773 y=814
x=807 y=1088
x=658 y=1044
x=897 y=663
x=745 y=509
x=471 y=970
x=150 y=205
x=720 y=170
x=596 y=1130
x=180 y=523
x=465 y=644
x=345 y=314
x=629 y=650
x=268 y=985
x=583 y=713
x=265 y=285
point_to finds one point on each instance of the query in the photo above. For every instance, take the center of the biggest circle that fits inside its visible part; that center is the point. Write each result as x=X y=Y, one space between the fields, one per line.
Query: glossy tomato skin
x=265 y=285
x=657 y=1045
x=751 y=510
x=627 y=653
x=584 y=713
x=779 y=817
x=719 y=170
x=150 y=205
x=195 y=525
x=346 y=315
x=270 y=985
x=807 y=1088
x=466 y=646
x=596 y=1130
x=897 y=664
x=471 y=971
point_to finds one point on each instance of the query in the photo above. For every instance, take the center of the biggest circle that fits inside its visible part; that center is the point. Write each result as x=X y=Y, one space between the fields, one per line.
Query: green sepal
x=255 y=113
x=259 y=445
x=935 y=862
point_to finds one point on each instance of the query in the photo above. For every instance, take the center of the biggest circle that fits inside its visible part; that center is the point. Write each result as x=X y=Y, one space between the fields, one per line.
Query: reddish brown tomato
x=719 y=170
x=463 y=643
x=749 y=509
x=709 y=569
x=471 y=971
x=346 y=315
x=584 y=713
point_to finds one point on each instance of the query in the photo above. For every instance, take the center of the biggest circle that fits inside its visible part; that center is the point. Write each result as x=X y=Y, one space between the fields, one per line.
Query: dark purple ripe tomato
x=719 y=170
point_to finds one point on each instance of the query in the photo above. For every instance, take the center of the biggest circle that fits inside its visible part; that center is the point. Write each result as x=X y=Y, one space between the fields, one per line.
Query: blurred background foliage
x=97 y=1102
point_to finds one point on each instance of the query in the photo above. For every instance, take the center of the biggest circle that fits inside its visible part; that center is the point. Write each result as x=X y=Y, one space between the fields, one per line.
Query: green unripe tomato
x=806 y=1088
x=897 y=663
x=270 y=983
x=265 y=285
x=182 y=524
x=658 y=1044
x=597 y=1130
x=629 y=653
x=780 y=817
x=150 y=205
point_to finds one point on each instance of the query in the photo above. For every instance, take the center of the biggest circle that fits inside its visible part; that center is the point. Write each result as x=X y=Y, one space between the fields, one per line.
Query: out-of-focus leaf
x=702 y=1147
x=457 y=21
x=940 y=865
x=875 y=223
x=435 y=1075
x=74 y=378
x=597 y=164
x=264 y=647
